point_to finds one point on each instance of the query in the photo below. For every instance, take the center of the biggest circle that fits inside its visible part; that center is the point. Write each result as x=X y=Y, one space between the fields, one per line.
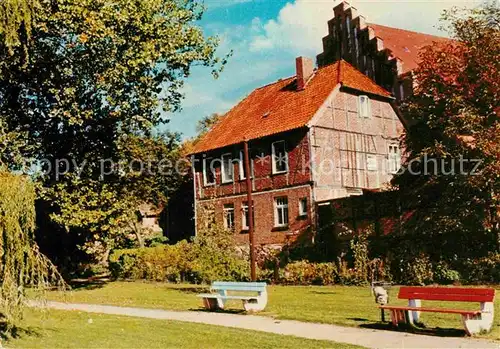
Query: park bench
x=475 y=321
x=219 y=295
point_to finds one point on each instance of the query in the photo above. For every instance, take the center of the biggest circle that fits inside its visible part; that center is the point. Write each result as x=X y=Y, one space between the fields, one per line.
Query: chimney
x=305 y=69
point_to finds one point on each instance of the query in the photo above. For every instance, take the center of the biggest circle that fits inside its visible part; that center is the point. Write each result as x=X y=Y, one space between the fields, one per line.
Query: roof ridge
x=274 y=82
x=406 y=30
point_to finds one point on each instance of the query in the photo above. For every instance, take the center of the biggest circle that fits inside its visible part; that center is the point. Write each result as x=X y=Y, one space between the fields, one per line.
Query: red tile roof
x=279 y=107
x=405 y=44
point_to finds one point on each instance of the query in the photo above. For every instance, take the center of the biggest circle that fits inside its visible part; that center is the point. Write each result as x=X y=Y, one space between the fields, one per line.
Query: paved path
x=358 y=336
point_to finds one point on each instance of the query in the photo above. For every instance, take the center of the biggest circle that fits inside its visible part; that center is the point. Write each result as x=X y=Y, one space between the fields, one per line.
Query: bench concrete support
x=255 y=305
x=221 y=302
x=475 y=324
x=415 y=315
x=211 y=304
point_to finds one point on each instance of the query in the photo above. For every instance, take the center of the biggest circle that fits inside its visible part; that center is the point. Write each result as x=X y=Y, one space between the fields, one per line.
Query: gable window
x=242 y=171
x=364 y=109
x=281 y=212
x=208 y=171
x=280 y=157
x=371 y=162
x=229 y=216
x=227 y=168
x=394 y=158
x=348 y=28
x=303 y=207
x=356 y=41
x=244 y=216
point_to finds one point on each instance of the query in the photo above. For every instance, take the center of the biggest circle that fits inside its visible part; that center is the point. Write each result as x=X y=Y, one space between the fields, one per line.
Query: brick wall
x=265 y=231
x=297 y=145
x=295 y=184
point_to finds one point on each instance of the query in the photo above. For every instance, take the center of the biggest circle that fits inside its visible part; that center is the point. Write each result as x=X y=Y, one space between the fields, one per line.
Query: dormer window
x=208 y=171
x=227 y=168
x=364 y=108
x=280 y=157
x=241 y=164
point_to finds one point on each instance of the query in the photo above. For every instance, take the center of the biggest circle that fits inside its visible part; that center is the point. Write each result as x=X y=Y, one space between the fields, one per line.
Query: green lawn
x=72 y=329
x=348 y=306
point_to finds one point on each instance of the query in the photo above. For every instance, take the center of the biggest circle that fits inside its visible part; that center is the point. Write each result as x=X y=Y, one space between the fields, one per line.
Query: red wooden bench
x=474 y=321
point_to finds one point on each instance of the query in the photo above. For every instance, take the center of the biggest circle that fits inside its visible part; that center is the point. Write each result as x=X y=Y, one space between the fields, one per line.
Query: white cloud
x=300 y=25
x=211 y=4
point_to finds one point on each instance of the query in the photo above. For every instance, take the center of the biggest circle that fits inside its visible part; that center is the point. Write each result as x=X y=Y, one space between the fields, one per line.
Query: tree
x=21 y=263
x=99 y=75
x=204 y=125
x=455 y=126
x=15 y=22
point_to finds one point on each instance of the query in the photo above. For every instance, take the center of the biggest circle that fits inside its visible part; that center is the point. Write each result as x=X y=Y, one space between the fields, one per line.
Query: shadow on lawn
x=438 y=332
x=91 y=283
x=194 y=289
x=18 y=332
x=225 y=311
x=323 y=292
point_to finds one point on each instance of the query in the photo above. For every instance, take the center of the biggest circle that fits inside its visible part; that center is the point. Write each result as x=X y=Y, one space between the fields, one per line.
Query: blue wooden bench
x=254 y=298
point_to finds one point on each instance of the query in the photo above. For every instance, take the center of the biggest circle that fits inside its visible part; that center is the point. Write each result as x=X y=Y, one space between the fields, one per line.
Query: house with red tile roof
x=387 y=55
x=322 y=134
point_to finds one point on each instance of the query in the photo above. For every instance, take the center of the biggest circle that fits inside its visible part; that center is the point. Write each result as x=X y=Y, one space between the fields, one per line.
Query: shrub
x=306 y=273
x=417 y=271
x=483 y=270
x=210 y=256
x=443 y=274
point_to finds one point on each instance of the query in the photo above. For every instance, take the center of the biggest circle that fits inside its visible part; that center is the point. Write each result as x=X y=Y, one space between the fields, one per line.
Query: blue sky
x=267 y=35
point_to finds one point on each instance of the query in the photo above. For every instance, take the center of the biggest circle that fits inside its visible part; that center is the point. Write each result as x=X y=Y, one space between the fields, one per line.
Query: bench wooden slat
x=456 y=294
x=240 y=286
x=432 y=310
x=215 y=295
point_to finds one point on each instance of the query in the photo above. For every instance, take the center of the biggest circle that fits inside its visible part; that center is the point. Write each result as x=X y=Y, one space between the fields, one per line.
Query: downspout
x=251 y=234
x=194 y=193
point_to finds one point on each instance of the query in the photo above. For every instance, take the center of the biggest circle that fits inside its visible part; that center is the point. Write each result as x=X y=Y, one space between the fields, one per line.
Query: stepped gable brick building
x=387 y=55
x=325 y=133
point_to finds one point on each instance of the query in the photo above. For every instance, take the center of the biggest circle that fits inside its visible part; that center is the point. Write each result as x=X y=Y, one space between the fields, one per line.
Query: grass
x=71 y=329
x=341 y=305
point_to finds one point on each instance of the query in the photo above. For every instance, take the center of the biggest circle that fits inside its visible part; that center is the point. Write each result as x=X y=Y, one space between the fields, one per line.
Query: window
x=281 y=212
x=208 y=171
x=394 y=158
x=244 y=216
x=243 y=174
x=303 y=207
x=229 y=216
x=356 y=41
x=348 y=29
x=227 y=168
x=364 y=109
x=401 y=91
x=371 y=162
x=280 y=157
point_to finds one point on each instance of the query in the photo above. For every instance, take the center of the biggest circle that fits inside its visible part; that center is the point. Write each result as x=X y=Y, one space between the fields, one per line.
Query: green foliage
x=98 y=76
x=454 y=115
x=482 y=270
x=21 y=263
x=444 y=275
x=306 y=273
x=204 y=125
x=211 y=256
x=16 y=22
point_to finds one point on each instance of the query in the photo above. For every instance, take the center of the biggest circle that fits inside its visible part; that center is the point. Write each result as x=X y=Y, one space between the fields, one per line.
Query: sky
x=266 y=36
